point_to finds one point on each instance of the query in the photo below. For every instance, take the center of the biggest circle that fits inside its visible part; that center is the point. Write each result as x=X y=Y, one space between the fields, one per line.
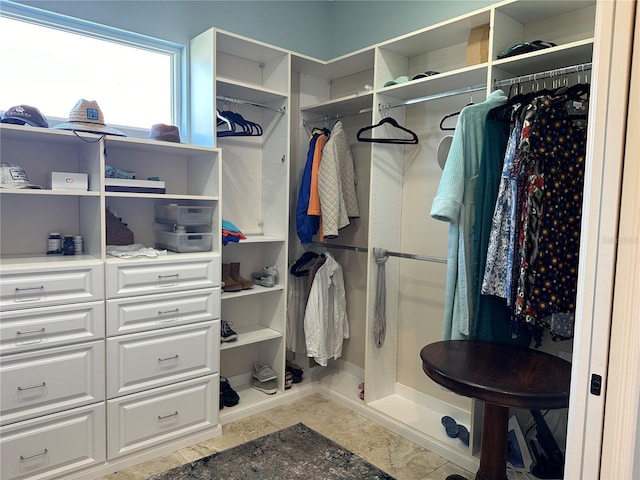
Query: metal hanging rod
x=412 y=256
x=340 y=247
x=434 y=96
x=246 y=102
x=556 y=72
x=326 y=118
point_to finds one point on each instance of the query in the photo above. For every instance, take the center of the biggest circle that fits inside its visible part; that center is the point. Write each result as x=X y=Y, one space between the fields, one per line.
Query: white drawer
x=145 y=360
x=150 y=312
x=37 y=287
x=44 y=327
x=142 y=277
x=54 y=446
x=143 y=420
x=47 y=381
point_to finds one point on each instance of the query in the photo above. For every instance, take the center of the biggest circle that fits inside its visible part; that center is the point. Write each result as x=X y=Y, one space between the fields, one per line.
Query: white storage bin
x=184 y=242
x=184 y=215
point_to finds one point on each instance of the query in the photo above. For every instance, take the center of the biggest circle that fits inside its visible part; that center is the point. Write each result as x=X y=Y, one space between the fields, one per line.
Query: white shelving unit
x=237 y=74
x=398 y=183
x=97 y=349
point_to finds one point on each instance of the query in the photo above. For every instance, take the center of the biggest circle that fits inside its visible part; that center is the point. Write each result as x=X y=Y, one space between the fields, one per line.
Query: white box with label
x=67 y=180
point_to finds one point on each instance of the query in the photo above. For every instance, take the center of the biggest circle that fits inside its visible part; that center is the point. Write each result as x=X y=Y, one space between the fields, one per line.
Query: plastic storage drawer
x=184 y=215
x=184 y=242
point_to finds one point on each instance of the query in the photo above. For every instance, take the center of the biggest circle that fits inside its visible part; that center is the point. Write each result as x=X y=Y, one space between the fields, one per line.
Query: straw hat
x=86 y=116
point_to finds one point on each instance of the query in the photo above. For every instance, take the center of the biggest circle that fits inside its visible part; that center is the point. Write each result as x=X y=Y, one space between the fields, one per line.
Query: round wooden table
x=502 y=376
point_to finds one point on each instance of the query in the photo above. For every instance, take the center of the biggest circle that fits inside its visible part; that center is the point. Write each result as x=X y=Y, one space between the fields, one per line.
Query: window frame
x=37 y=16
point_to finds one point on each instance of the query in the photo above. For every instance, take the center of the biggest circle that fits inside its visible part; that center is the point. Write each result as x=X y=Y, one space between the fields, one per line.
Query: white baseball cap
x=14 y=176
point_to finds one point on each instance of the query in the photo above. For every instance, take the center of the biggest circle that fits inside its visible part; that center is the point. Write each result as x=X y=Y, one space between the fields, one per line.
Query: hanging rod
x=340 y=247
x=556 y=72
x=326 y=118
x=434 y=96
x=413 y=256
x=246 y=102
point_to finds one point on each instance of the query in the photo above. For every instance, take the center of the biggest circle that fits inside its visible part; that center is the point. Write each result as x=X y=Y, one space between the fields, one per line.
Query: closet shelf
x=247 y=91
x=350 y=64
x=43 y=258
x=443 y=82
x=255 y=290
x=340 y=106
x=260 y=239
x=163 y=196
x=64 y=193
x=249 y=335
x=547 y=59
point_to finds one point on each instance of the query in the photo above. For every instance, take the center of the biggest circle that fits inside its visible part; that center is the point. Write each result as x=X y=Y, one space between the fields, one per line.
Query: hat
x=400 y=79
x=25 y=115
x=443 y=150
x=86 y=116
x=426 y=74
x=166 y=133
x=14 y=176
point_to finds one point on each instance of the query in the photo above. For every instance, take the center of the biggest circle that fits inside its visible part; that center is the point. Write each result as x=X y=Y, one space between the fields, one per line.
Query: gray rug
x=293 y=453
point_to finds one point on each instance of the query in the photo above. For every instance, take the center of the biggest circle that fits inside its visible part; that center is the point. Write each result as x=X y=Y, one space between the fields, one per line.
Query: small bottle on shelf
x=68 y=247
x=77 y=244
x=54 y=243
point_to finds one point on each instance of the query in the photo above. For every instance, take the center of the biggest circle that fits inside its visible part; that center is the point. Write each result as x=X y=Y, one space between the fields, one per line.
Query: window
x=50 y=62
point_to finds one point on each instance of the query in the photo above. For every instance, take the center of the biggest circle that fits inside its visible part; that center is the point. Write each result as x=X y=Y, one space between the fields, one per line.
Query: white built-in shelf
x=247 y=91
x=163 y=196
x=255 y=290
x=260 y=239
x=340 y=67
x=353 y=104
x=39 y=258
x=47 y=192
x=456 y=79
x=249 y=335
x=570 y=54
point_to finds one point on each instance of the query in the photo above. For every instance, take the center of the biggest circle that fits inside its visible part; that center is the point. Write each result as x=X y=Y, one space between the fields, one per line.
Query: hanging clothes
x=337 y=183
x=325 y=321
x=307 y=225
x=455 y=203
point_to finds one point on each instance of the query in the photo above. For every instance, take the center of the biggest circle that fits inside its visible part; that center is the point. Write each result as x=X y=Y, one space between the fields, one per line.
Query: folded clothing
x=133 y=250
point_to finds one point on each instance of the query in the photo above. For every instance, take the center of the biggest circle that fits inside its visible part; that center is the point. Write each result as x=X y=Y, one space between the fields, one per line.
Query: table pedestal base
x=493 y=452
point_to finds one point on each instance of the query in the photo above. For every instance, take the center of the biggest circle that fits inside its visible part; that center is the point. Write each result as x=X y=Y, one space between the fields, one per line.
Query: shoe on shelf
x=234 y=273
x=226 y=332
x=269 y=387
x=288 y=380
x=450 y=426
x=263 y=373
x=230 y=285
x=228 y=396
x=267 y=277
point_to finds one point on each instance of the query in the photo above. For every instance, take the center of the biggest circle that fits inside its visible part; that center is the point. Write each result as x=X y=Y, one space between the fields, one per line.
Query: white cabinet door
x=159 y=276
x=51 y=380
x=142 y=420
x=53 y=446
x=145 y=360
x=36 y=287
x=150 y=312
x=37 y=328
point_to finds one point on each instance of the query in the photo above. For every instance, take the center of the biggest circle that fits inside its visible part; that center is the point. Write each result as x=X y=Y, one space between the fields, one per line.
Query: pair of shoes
x=267 y=277
x=295 y=371
x=228 y=396
x=455 y=430
x=264 y=379
x=226 y=332
x=288 y=380
x=232 y=280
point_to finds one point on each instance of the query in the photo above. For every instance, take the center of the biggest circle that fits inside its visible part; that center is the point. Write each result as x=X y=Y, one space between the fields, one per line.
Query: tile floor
x=392 y=453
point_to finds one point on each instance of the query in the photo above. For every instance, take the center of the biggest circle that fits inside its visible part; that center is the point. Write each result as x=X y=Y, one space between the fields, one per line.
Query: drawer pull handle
x=41 y=287
x=22 y=457
x=174 y=414
x=175 y=357
x=176 y=275
x=26 y=332
x=43 y=384
x=175 y=310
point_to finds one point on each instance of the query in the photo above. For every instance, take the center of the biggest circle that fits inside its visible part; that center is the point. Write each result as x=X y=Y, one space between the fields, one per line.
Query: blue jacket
x=307 y=225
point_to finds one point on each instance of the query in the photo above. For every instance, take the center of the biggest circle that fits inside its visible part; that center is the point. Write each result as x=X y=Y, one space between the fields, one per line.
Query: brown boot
x=235 y=275
x=230 y=285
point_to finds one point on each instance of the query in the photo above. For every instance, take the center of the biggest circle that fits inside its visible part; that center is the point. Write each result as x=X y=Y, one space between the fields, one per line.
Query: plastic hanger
x=451 y=115
x=240 y=126
x=409 y=141
x=223 y=120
